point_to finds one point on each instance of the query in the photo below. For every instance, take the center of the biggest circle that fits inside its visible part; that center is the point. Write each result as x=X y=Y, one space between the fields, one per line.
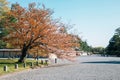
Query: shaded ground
x=85 y=68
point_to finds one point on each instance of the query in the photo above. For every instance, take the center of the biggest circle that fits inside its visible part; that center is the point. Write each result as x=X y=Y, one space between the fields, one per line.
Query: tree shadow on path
x=103 y=62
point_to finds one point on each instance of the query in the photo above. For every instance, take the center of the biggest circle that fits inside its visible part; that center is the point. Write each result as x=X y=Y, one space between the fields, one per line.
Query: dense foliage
x=85 y=47
x=3 y=32
x=114 y=44
x=98 y=50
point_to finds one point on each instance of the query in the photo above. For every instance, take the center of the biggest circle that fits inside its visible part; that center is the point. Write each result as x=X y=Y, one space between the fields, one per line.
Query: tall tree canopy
x=114 y=44
x=34 y=28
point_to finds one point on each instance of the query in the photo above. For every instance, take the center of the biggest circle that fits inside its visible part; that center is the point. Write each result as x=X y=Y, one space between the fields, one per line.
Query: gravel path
x=85 y=68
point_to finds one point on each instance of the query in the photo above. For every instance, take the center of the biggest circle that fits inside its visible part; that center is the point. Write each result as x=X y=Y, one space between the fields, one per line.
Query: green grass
x=11 y=65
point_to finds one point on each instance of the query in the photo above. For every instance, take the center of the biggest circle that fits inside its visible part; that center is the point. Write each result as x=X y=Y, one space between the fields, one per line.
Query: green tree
x=3 y=32
x=114 y=44
x=98 y=50
x=2 y=44
x=85 y=47
x=3 y=9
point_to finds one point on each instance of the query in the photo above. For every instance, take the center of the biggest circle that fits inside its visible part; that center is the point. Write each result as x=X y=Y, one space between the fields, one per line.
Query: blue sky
x=95 y=20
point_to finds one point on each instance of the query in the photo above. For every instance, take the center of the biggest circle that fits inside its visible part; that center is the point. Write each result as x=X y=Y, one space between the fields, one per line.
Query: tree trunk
x=23 y=55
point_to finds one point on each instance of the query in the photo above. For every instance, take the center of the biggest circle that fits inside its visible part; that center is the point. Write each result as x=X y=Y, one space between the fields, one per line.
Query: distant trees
x=98 y=50
x=34 y=30
x=85 y=47
x=114 y=44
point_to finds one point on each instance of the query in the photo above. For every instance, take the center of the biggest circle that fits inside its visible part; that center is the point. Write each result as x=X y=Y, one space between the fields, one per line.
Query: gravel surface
x=85 y=68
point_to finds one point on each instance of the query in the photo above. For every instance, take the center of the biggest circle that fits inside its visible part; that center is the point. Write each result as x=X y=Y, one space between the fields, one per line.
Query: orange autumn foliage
x=35 y=30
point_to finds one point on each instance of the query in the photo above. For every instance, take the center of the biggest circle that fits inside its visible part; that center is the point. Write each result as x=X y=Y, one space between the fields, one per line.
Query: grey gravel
x=85 y=68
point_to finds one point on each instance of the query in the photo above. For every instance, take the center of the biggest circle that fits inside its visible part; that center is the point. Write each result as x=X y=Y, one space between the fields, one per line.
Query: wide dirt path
x=85 y=68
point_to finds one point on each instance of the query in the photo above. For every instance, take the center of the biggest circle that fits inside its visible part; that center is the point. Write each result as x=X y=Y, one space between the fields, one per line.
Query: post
x=46 y=62
x=55 y=60
x=5 y=68
x=37 y=63
x=24 y=65
x=41 y=61
x=31 y=65
x=16 y=66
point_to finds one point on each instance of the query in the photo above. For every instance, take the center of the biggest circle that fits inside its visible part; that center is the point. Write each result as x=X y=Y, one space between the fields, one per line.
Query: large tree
x=34 y=29
x=114 y=44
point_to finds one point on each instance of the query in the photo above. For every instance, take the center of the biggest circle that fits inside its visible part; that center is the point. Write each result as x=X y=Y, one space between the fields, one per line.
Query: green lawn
x=11 y=65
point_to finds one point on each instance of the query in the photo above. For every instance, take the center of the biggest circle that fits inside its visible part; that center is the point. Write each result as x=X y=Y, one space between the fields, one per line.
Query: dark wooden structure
x=11 y=53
